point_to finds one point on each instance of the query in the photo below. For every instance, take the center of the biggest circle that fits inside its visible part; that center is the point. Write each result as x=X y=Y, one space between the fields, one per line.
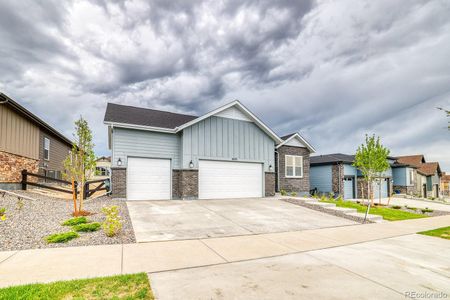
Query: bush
x=61 y=237
x=89 y=227
x=426 y=210
x=2 y=214
x=283 y=193
x=75 y=221
x=396 y=207
x=294 y=194
x=112 y=224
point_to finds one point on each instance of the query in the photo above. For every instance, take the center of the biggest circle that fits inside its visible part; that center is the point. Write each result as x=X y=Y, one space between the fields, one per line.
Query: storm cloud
x=333 y=70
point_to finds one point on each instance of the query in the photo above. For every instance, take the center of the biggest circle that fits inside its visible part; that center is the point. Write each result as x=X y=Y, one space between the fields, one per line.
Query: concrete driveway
x=177 y=219
x=395 y=268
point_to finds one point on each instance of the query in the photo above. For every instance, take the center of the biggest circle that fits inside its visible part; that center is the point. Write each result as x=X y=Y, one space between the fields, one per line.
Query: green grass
x=75 y=221
x=387 y=213
x=61 y=237
x=89 y=227
x=135 y=286
x=443 y=232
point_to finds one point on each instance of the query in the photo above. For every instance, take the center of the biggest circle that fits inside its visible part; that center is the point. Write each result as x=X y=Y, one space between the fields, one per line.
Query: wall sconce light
x=119 y=162
x=270 y=167
x=191 y=164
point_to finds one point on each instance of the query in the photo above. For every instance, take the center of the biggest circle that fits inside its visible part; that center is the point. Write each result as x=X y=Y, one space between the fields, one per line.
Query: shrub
x=61 y=237
x=323 y=198
x=112 y=224
x=426 y=210
x=75 y=221
x=396 y=207
x=89 y=227
x=411 y=208
x=340 y=198
x=294 y=194
x=283 y=193
x=2 y=214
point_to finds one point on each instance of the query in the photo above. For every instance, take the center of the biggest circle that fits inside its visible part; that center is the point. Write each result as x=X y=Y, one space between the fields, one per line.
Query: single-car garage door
x=349 y=188
x=148 y=179
x=225 y=179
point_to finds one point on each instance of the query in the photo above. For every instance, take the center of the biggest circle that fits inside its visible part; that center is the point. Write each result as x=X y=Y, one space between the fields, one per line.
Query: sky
x=332 y=70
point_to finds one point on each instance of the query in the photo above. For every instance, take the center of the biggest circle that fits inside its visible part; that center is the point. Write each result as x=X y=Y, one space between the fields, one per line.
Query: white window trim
x=293 y=159
x=48 y=158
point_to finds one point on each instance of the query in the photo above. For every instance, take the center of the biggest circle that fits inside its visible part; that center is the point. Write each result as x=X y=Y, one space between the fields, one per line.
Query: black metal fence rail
x=25 y=182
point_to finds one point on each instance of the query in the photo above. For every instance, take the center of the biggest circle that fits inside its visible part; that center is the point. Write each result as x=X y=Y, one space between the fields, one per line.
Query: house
x=102 y=167
x=445 y=184
x=27 y=142
x=424 y=176
x=226 y=153
x=335 y=174
x=292 y=167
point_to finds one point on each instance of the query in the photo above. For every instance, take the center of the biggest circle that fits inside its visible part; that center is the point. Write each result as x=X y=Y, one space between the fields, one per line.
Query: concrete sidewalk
x=45 y=265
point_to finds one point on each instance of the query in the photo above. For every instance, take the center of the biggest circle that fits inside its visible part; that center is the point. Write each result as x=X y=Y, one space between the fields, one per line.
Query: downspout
x=278 y=171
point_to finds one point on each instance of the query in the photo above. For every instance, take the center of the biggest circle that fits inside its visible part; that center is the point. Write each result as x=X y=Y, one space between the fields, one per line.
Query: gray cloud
x=332 y=70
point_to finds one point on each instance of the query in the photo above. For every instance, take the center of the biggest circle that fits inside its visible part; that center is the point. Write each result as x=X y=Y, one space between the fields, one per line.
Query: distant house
x=27 y=142
x=415 y=176
x=445 y=184
x=102 y=167
x=334 y=173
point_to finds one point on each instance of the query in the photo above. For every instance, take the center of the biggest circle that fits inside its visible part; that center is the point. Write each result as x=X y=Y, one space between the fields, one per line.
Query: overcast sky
x=332 y=70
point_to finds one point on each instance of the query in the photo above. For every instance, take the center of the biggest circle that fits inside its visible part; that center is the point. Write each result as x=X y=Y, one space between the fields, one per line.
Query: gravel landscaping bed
x=26 y=227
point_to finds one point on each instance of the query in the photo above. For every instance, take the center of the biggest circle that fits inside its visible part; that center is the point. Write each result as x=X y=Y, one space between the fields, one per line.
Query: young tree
x=371 y=160
x=80 y=162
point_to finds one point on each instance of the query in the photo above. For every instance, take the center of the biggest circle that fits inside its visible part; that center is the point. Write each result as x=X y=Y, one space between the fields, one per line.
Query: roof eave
x=139 y=127
x=302 y=139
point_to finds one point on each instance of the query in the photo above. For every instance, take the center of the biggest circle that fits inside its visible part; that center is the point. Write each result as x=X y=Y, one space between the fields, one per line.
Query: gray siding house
x=226 y=153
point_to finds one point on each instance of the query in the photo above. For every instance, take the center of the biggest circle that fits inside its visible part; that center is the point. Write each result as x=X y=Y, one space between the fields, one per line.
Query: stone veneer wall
x=269 y=185
x=176 y=194
x=119 y=182
x=298 y=185
x=11 y=166
x=188 y=184
x=337 y=185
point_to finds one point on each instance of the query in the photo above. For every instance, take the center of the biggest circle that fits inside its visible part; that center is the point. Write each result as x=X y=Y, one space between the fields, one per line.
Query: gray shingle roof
x=144 y=116
x=285 y=137
x=332 y=159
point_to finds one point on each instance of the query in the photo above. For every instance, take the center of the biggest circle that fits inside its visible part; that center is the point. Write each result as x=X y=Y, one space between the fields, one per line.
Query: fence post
x=86 y=190
x=24 y=180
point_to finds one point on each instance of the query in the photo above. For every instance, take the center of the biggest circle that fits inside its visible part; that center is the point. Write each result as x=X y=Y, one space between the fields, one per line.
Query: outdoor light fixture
x=270 y=167
x=191 y=164
x=119 y=162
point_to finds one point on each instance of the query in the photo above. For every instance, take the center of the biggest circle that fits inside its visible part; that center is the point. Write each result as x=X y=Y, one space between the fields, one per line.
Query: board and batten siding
x=17 y=134
x=320 y=177
x=140 y=143
x=227 y=139
x=350 y=170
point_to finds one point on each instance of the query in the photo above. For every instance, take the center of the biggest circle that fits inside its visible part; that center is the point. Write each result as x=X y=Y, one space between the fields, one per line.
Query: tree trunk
x=74 y=195
x=80 y=208
x=379 y=192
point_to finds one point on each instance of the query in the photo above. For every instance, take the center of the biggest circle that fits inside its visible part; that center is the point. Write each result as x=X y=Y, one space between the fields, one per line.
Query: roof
x=164 y=121
x=107 y=158
x=430 y=168
x=445 y=177
x=5 y=100
x=411 y=160
x=332 y=159
x=297 y=135
x=125 y=114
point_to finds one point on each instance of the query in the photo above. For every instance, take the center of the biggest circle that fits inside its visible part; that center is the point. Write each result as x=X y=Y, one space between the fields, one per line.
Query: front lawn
x=387 y=213
x=443 y=232
x=135 y=286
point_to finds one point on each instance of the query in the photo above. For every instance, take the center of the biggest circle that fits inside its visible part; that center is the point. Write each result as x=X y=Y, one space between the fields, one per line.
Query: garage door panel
x=220 y=179
x=148 y=179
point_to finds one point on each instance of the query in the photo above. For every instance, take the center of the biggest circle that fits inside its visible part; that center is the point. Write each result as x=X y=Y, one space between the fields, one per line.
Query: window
x=46 y=148
x=101 y=171
x=294 y=166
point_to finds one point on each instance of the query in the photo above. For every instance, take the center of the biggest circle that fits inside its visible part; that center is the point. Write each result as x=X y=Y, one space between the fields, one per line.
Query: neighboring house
x=334 y=173
x=226 y=153
x=102 y=167
x=292 y=167
x=445 y=184
x=425 y=176
x=27 y=142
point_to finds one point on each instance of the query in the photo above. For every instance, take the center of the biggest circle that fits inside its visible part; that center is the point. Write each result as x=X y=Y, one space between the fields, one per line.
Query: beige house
x=102 y=167
x=28 y=143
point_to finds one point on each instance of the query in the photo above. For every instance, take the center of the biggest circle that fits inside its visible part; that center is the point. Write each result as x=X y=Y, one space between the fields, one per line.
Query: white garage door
x=148 y=179
x=220 y=179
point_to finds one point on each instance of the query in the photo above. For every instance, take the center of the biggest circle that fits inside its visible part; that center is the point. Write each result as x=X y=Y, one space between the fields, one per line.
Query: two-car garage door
x=225 y=179
x=150 y=179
